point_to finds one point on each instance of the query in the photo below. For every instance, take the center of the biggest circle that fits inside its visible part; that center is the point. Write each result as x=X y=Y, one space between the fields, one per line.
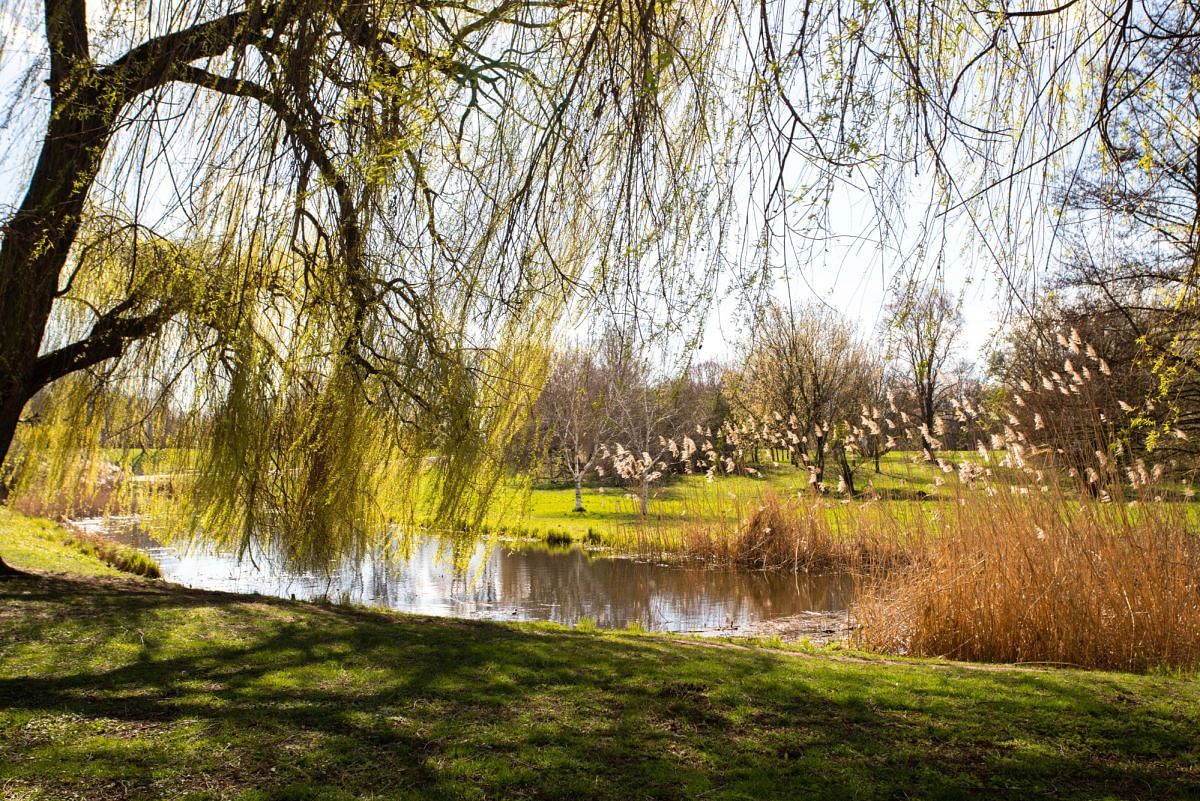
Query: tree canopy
x=339 y=231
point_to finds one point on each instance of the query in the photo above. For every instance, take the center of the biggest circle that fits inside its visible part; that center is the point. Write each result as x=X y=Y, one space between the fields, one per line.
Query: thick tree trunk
x=32 y=254
x=35 y=247
x=579 y=492
x=85 y=104
x=12 y=401
x=38 y=237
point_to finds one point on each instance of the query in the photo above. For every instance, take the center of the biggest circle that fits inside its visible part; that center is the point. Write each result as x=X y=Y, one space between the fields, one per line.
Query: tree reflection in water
x=521 y=583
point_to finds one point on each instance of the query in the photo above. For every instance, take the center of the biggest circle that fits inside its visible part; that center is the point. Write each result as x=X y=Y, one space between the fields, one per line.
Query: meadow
x=124 y=688
x=611 y=516
x=997 y=570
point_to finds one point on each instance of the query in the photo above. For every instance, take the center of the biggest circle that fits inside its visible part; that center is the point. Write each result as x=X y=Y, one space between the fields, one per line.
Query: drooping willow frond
x=327 y=244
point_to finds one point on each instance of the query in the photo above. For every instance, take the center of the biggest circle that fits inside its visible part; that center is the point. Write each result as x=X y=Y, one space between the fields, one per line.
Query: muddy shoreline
x=818 y=628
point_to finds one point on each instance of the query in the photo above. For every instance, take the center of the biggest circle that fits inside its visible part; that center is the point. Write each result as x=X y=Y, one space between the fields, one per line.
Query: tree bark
x=819 y=462
x=85 y=104
x=847 y=471
x=38 y=238
x=927 y=413
x=578 y=492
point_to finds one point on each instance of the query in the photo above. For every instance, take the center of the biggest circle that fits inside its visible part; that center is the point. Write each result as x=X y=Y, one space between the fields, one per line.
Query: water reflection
x=507 y=582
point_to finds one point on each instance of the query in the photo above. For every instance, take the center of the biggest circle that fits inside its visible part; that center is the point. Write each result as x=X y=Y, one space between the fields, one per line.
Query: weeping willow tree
x=329 y=240
x=338 y=233
x=961 y=122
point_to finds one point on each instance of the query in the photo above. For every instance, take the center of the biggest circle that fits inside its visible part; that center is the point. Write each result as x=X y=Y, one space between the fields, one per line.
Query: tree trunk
x=38 y=237
x=847 y=472
x=928 y=413
x=579 y=492
x=7 y=570
x=12 y=401
x=819 y=453
x=645 y=495
x=85 y=103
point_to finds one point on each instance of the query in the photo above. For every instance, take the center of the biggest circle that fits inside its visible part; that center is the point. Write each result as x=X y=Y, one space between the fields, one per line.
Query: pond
x=510 y=581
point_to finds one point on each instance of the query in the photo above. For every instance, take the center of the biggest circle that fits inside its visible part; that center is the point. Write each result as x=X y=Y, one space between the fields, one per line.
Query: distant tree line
x=804 y=388
x=1073 y=384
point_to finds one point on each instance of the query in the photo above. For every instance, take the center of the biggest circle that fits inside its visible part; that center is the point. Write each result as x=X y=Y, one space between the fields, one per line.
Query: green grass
x=149 y=461
x=123 y=688
x=36 y=544
x=44 y=545
x=613 y=517
x=909 y=486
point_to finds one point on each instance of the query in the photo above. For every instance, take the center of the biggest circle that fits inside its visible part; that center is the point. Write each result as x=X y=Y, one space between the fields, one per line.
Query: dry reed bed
x=1012 y=578
x=996 y=577
x=811 y=535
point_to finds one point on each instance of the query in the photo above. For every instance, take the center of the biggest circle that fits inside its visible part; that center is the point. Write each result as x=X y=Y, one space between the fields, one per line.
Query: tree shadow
x=277 y=696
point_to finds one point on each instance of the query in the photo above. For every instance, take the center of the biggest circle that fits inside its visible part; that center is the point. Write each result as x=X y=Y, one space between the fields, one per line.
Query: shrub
x=555 y=537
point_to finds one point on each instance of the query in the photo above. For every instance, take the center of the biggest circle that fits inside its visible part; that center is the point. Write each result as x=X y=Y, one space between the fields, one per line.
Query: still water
x=522 y=582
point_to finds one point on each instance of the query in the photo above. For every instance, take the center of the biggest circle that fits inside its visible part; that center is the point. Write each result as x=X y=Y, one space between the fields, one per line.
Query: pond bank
x=815 y=628
x=116 y=688
x=531 y=582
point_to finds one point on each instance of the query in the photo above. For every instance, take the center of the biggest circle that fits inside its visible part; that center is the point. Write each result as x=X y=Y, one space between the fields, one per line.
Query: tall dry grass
x=1011 y=576
x=809 y=534
x=1048 y=579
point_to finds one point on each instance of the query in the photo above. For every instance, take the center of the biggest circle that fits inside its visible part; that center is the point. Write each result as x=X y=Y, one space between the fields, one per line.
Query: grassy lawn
x=909 y=486
x=611 y=513
x=126 y=688
x=32 y=543
x=40 y=544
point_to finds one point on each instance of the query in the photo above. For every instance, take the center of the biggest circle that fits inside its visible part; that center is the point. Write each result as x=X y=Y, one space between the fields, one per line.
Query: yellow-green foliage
x=348 y=321
x=285 y=424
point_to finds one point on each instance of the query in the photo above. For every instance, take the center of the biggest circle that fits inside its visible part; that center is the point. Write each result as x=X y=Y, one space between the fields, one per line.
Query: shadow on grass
x=114 y=688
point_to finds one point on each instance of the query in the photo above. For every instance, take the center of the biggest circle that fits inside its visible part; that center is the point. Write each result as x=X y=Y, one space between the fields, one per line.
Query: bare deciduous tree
x=572 y=414
x=804 y=371
x=923 y=324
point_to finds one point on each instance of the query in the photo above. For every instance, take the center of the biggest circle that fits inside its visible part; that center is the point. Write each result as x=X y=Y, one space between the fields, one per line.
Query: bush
x=555 y=537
